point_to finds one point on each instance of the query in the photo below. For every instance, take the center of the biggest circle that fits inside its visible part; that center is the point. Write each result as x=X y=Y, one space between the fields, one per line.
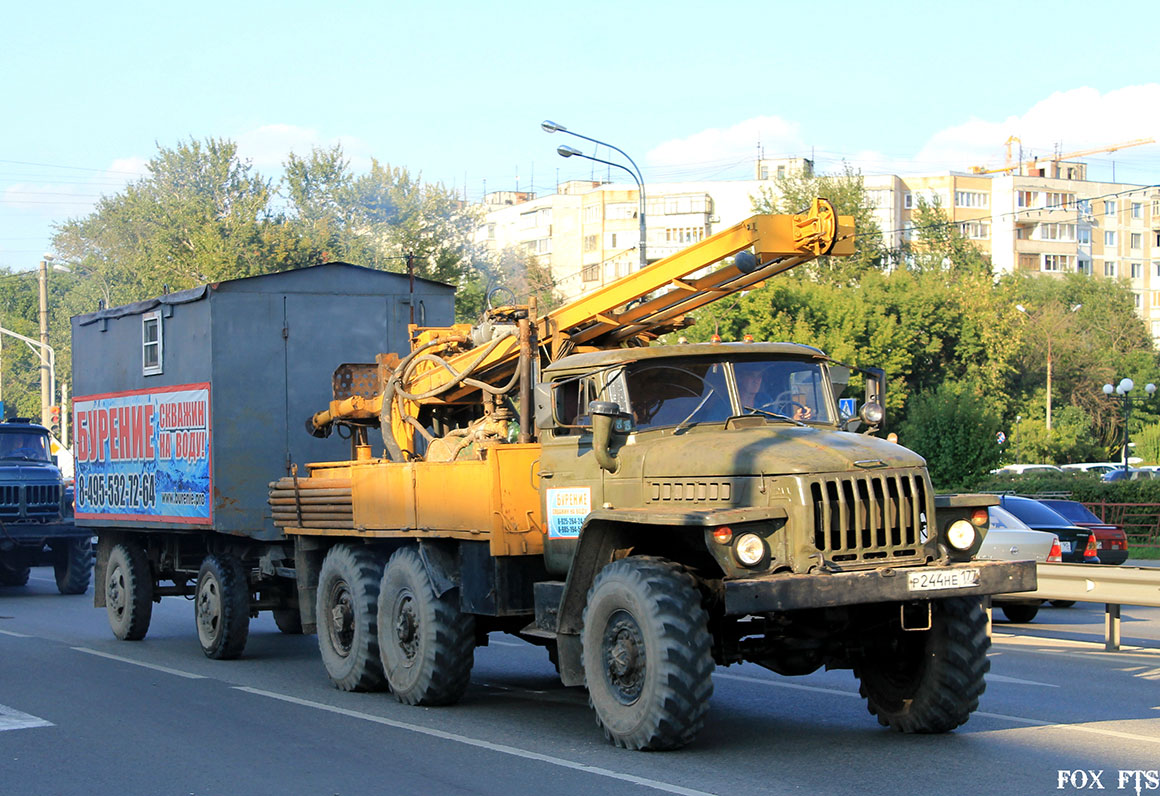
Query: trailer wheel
x=1019 y=613
x=129 y=592
x=288 y=620
x=427 y=644
x=348 y=591
x=646 y=652
x=222 y=607
x=73 y=567
x=13 y=574
x=928 y=681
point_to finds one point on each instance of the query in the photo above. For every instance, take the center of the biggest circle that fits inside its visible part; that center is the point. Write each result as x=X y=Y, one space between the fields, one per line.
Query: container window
x=151 y=343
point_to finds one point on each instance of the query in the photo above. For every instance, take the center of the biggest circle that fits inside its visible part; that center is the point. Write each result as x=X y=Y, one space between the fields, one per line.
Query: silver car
x=1009 y=539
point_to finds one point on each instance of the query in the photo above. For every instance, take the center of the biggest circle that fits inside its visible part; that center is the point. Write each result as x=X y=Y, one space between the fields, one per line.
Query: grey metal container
x=258 y=355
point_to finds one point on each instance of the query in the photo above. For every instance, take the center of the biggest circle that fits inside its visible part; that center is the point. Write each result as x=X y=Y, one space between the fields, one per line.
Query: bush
x=1083 y=487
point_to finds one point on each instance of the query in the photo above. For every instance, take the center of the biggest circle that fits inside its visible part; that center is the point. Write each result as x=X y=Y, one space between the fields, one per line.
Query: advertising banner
x=144 y=455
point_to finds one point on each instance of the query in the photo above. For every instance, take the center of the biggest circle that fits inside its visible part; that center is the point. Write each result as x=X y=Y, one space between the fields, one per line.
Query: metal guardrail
x=1096 y=583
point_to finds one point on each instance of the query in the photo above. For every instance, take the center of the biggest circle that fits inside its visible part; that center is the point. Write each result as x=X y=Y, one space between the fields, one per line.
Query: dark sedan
x=1111 y=541
x=1078 y=543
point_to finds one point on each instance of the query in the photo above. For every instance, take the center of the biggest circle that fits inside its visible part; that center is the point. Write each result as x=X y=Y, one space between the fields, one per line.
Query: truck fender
x=442 y=565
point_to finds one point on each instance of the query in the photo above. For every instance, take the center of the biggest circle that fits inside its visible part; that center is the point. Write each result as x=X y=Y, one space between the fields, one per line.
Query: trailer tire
x=222 y=607
x=288 y=620
x=128 y=591
x=647 y=654
x=13 y=574
x=928 y=681
x=1019 y=613
x=73 y=567
x=427 y=644
x=348 y=591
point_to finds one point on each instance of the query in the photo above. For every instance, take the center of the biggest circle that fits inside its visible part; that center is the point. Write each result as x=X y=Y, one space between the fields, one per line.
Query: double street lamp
x=568 y=152
x=1122 y=389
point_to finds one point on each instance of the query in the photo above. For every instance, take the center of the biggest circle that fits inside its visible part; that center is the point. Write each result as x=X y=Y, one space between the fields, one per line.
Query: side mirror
x=543 y=403
x=604 y=414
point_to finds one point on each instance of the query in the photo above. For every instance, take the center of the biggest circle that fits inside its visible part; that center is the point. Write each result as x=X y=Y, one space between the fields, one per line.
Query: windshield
x=683 y=392
x=24 y=445
x=1033 y=512
x=1002 y=519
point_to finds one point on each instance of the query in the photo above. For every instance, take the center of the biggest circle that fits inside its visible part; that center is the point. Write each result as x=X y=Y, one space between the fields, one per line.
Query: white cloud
x=268 y=146
x=1077 y=119
x=720 y=146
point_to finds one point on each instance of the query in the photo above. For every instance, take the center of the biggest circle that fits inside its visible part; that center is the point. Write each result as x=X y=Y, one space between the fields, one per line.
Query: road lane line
x=14 y=634
x=154 y=666
x=1001 y=716
x=12 y=719
x=1076 y=727
x=1002 y=678
x=490 y=746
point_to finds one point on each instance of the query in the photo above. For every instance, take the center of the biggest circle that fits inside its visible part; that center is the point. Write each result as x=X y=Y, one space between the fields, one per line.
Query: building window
x=1136 y=299
x=972 y=199
x=590 y=242
x=1056 y=262
x=591 y=214
x=1156 y=298
x=976 y=230
x=1109 y=207
x=1110 y=268
x=1083 y=236
x=1137 y=210
x=1109 y=239
x=908 y=201
x=1137 y=270
x=1026 y=198
x=1028 y=262
x=1084 y=267
x=151 y=343
x=1056 y=232
x=1023 y=231
x=1137 y=240
x=1059 y=201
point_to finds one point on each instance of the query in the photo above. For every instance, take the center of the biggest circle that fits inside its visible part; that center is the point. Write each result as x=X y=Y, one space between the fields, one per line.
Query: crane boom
x=1034 y=162
x=453 y=365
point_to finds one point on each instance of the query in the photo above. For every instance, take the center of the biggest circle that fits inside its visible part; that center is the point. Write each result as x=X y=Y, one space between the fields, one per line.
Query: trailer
x=185 y=405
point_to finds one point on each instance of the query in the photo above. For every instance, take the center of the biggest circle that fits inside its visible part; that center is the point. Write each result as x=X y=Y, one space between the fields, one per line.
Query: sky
x=456 y=91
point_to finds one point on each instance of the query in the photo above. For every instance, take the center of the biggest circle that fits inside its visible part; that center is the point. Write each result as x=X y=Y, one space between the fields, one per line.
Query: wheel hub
x=624 y=657
x=407 y=626
x=341 y=619
x=115 y=591
x=209 y=607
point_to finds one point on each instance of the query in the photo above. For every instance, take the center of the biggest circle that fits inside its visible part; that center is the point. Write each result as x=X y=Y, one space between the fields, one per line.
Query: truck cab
x=36 y=512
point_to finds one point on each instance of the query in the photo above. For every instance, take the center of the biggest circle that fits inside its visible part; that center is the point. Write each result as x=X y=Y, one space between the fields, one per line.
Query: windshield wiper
x=774 y=415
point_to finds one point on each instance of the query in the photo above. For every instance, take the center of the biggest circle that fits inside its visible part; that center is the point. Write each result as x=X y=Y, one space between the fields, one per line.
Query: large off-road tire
x=646 y=653
x=426 y=643
x=348 y=592
x=128 y=592
x=222 y=607
x=13 y=574
x=928 y=681
x=73 y=567
x=1019 y=613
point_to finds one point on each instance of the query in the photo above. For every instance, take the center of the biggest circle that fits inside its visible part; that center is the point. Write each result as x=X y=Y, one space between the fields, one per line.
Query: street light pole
x=634 y=172
x=46 y=394
x=1122 y=389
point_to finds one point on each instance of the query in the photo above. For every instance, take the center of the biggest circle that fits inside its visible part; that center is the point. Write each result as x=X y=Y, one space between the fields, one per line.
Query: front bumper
x=34 y=534
x=832 y=589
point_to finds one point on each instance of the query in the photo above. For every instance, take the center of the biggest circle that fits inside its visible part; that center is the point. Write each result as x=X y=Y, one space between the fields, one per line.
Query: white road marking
x=155 y=667
x=12 y=719
x=490 y=746
x=1002 y=678
x=14 y=634
x=793 y=686
x=508 y=643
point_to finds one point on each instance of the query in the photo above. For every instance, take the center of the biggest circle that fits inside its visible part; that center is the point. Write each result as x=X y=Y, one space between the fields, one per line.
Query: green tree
x=793 y=193
x=940 y=247
x=952 y=427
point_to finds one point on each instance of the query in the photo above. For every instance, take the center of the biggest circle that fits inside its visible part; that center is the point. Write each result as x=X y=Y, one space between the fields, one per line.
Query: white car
x=1022 y=469
x=1099 y=468
x=1009 y=539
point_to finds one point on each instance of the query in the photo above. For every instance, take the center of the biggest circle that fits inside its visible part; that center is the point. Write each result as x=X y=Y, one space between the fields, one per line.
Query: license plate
x=1065 y=546
x=942 y=579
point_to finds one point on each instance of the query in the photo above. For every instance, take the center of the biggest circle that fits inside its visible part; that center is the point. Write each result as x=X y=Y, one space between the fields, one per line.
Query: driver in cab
x=751 y=389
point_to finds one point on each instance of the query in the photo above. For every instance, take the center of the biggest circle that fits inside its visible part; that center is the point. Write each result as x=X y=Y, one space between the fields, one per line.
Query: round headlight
x=872 y=413
x=750 y=549
x=961 y=535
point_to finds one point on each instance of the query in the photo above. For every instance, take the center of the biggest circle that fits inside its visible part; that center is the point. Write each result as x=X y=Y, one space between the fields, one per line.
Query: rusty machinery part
x=395 y=394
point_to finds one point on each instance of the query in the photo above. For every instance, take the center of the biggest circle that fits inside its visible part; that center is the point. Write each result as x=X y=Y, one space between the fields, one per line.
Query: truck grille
x=29 y=501
x=870 y=519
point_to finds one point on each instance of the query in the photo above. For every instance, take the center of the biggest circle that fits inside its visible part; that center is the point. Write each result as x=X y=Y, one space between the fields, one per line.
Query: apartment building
x=588 y=233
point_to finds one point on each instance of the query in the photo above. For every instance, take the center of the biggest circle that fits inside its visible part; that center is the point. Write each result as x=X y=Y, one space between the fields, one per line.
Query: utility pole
x=45 y=395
